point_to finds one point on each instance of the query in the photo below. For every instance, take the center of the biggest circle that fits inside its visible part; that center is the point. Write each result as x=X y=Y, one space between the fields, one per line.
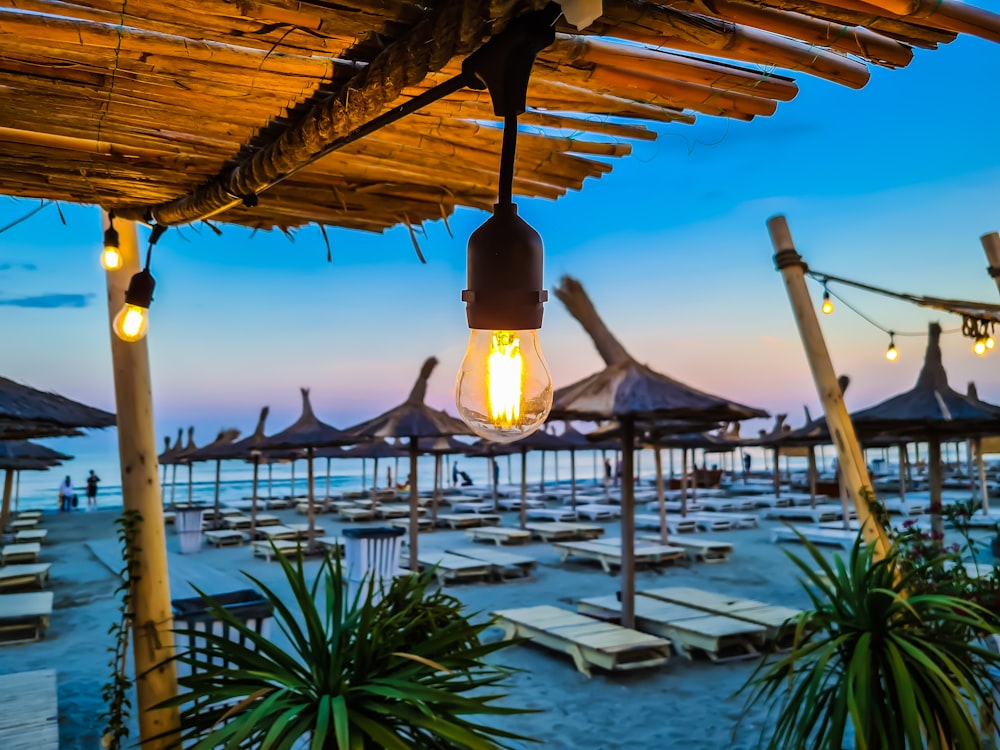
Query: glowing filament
x=505 y=376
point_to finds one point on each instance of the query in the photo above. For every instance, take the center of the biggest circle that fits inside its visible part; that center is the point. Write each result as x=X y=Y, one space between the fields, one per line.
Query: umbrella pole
x=291 y=489
x=311 y=494
x=628 y=523
x=934 y=476
x=328 y=478
x=572 y=477
x=777 y=472
x=607 y=479
x=270 y=476
x=218 y=479
x=493 y=482
x=510 y=479
x=173 y=486
x=812 y=475
x=253 y=497
x=638 y=465
x=414 y=506
x=374 y=490
x=395 y=471
x=541 y=484
x=17 y=492
x=190 y=484
x=596 y=476
x=902 y=473
x=555 y=468
x=660 y=494
x=437 y=489
x=8 y=485
x=982 y=477
x=684 y=482
x=364 y=476
x=524 y=487
x=822 y=458
x=968 y=468
x=163 y=486
x=845 y=499
x=670 y=460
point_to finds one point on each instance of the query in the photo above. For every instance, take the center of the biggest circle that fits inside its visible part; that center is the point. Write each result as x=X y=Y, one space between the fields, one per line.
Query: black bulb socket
x=505 y=274
x=140 y=289
x=111 y=237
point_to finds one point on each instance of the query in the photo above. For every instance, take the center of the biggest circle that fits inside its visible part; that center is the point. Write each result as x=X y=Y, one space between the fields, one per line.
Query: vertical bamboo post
x=8 y=486
x=812 y=475
x=17 y=492
x=541 y=484
x=661 y=504
x=982 y=477
x=414 y=505
x=902 y=473
x=628 y=523
x=777 y=471
x=216 y=524
x=684 y=482
x=991 y=245
x=327 y=493
x=934 y=485
x=311 y=499
x=493 y=483
x=853 y=471
x=523 y=512
x=437 y=487
x=253 y=495
x=152 y=634
x=270 y=479
x=291 y=489
x=572 y=477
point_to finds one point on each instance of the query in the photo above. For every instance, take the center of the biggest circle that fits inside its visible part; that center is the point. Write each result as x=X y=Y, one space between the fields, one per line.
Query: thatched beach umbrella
x=224 y=439
x=626 y=390
x=21 y=455
x=932 y=411
x=26 y=412
x=413 y=419
x=308 y=433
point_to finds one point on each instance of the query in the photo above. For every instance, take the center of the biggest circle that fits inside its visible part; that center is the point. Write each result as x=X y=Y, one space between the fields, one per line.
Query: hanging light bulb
x=980 y=347
x=111 y=257
x=892 y=353
x=132 y=321
x=827 y=307
x=990 y=343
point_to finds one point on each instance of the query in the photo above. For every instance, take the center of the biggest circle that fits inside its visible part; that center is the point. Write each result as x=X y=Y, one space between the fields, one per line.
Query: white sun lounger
x=597 y=511
x=448 y=567
x=331 y=544
x=499 y=535
x=502 y=563
x=674 y=506
x=21 y=576
x=318 y=507
x=224 y=538
x=396 y=510
x=717 y=504
x=357 y=514
x=30 y=716
x=697 y=548
x=31 y=535
x=423 y=524
x=906 y=507
x=472 y=506
x=764 y=501
x=711 y=521
x=302 y=529
x=268 y=549
x=843 y=538
x=675 y=525
x=23 y=524
x=276 y=532
x=24 y=617
x=609 y=553
x=777 y=621
x=15 y=553
x=591 y=643
x=514 y=503
x=562 y=531
x=467 y=520
x=719 y=637
x=552 y=514
x=738 y=520
x=25 y=514
x=826 y=512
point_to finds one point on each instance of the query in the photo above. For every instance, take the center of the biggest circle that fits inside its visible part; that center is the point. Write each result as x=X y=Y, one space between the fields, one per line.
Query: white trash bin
x=189 y=528
x=371 y=557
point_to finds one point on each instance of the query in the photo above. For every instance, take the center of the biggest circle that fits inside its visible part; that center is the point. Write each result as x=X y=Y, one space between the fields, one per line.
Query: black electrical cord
x=508 y=153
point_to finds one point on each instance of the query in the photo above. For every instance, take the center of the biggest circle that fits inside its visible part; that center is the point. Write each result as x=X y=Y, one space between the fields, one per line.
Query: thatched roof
x=375 y=449
x=27 y=412
x=20 y=455
x=184 y=110
x=413 y=418
x=241 y=449
x=308 y=431
x=224 y=439
x=626 y=387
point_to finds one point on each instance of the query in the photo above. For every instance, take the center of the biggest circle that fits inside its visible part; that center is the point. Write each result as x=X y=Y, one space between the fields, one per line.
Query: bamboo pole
x=152 y=626
x=8 y=485
x=253 y=495
x=684 y=482
x=523 y=513
x=934 y=482
x=17 y=493
x=660 y=494
x=291 y=487
x=812 y=475
x=437 y=488
x=776 y=477
x=270 y=478
x=493 y=483
x=902 y=472
x=311 y=498
x=572 y=477
x=854 y=473
x=628 y=523
x=991 y=245
x=414 y=505
x=982 y=477
x=216 y=523
x=327 y=493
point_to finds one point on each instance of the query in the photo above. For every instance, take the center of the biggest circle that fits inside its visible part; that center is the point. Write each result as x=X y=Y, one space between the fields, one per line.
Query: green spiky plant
x=902 y=671
x=402 y=672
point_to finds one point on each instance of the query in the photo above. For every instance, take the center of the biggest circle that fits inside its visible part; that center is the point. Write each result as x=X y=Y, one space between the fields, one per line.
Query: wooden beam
x=991 y=246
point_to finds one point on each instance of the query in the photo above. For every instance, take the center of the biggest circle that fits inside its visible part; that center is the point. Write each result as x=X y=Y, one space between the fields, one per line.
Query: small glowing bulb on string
x=980 y=347
x=827 y=307
x=892 y=353
x=111 y=257
x=990 y=343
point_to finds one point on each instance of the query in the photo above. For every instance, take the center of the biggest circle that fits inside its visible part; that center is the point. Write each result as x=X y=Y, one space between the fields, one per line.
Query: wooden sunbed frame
x=302 y=529
x=277 y=532
x=697 y=548
x=237 y=523
x=25 y=617
x=14 y=553
x=501 y=562
x=591 y=643
x=224 y=537
x=499 y=535
x=395 y=510
x=357 y=514
x=906 y=507
x=448 y=567
x=472 y=506
x=765 y=501
x=555 y=531
x=467 y=520
x=22 y=576
x=719 y=637
x=609 y=555
x=23 y=524
x=739 y=520
x=514 y=503
x=423 y=523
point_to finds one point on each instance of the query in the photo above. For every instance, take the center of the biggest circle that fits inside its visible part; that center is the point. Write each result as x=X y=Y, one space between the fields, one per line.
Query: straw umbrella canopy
x=308 y=433
x=21 y=455
x=224 y=439
x=413 y=419
x=27 y=412
x=627 y=391
x=933 y=411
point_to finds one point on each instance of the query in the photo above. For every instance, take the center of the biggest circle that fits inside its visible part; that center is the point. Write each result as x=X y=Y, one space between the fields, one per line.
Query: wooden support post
x=253 y=495
x=777 y=472
x=991 y=244
x=216 y=522
x=628 y=523
x=984 y=488
x=660 y=494
x=8 y=486
x=493 y=483
x=523 y=512
x=854 y=473
x=437 y=488
x=684 y=482
x=572 y=477
x=902 y=472
x=152 y=634
x=311 y=499
x=414 y=504
x=934 y=481
x=812 y=475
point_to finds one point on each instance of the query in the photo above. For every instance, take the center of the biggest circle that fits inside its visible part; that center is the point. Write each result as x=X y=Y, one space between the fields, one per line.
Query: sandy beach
x=686 y=700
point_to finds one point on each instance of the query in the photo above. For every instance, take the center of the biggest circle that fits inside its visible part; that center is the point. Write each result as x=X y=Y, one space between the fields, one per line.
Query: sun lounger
x=472 y=506
x=906 y=507
x=22 y=524
x=597 y=511
x=777 y=621
x=395 y=510
x=843 y=538
x=675 y=525
x=502 y=563
x=277 y=532
x=20 y=553
x=825 y=512
x=719 y=637
x=467 y=520
x=31 y=535
x=302 y=529
x=24 y=617
x=697 y=548
x=514 y=503
x=723 y=504
x=449 y=567
x=29 y=514
x=738 y=520
x=331 y=544
x=552 y=514
x=24 y=576
x=169 y=517
x=562 y=531
x=318 y=507
x=237 y=523
x=268 y=549
x=499 y=535
x=29 y=719
x=674 y=506
x=591 y=643
x=423 y=523
x=711 y=521
x=224 y=538
x=357 y=514
x=610 y=554
x=762 y=501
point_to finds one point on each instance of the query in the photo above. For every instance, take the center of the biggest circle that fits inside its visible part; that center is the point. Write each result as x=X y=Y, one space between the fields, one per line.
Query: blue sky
x=892 y=184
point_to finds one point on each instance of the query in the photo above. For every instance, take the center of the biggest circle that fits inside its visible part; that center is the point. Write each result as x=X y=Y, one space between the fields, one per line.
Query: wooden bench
x=30 y=514
x=499 y=535
x=467 y=520
x=591 y=643
x=610 y=554
x=24 y=617
x=268 y=549
x=697 y=548
x=448 y=567
x=15 y=553
x=719 y=637
x=224 y=538
x=23 y=524
x=503 y=563
x=237 y=523
x=561 y=531
x=31 y=535
x=24 y=576
x=29 y=719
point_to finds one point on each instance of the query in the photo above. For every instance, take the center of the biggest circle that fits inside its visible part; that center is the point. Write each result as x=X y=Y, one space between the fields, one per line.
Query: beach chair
x=318 y=508
x=22 y=524
x=906 y=507
x=697 y=548
x=275 y=533
x=719 y=637
x=268 y=549
x=449 y=568
x=609 y=554
x=561 y=531
x=30 y=575
x=302 y=529
x=710 y=521
x=597 y=512
x=499 y=535
x=472 y=506
x=224 y=538
x=503 y=564
x=825 y=512
x=395 y=510
x=761 y=501
x=721 y=504
x=423 y=524
x=778 y=622
x=266 y=519
x=29 y=719
x=514 y=503
x=237 y=523
x=591 y=643
x=674 y=525
x=736 y=519
x=551 y=514
x=24 y=617
x=843 y=538
x=467 y=520
x=20 y=553
x=333 y=545
x=31 y=535
x=29 y=514
x=357 y=514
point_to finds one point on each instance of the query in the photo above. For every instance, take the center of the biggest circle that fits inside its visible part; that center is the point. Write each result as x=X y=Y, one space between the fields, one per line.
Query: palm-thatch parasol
x=26 y=412
x=20 y=455
x=413 y=419
x=626 y=391
x=224 y=439
x=169 y=458
x=308 y=433
x=931 y=410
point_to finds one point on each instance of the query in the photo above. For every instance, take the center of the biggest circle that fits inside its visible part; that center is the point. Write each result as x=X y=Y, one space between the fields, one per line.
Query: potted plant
x=879 y=656
x=402 y=671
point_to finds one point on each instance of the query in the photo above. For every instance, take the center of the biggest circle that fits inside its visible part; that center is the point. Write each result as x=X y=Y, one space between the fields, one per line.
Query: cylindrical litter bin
x=189 y=519
x=371 y=557
x=194 y=617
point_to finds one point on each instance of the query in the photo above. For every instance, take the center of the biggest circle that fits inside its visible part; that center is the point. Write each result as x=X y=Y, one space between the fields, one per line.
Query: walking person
x=92 y=481
x=66 y=495
x=454 y=473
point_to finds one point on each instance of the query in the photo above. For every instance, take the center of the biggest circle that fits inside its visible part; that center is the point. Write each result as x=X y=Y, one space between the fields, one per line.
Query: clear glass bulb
x=892 y=354
x=504 y=390
x=990 y=343
x=111 y=259
x=827 y=305
x=131 y=322
x=979 y=347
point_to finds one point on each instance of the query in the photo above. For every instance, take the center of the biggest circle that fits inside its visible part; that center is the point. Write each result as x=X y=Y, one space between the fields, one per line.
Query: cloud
x=49 y=301
x=18 y=266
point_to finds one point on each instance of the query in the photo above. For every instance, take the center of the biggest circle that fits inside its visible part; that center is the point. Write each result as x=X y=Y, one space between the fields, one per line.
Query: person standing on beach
x=454 y=473
x=66 y=495
x=92 y=481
